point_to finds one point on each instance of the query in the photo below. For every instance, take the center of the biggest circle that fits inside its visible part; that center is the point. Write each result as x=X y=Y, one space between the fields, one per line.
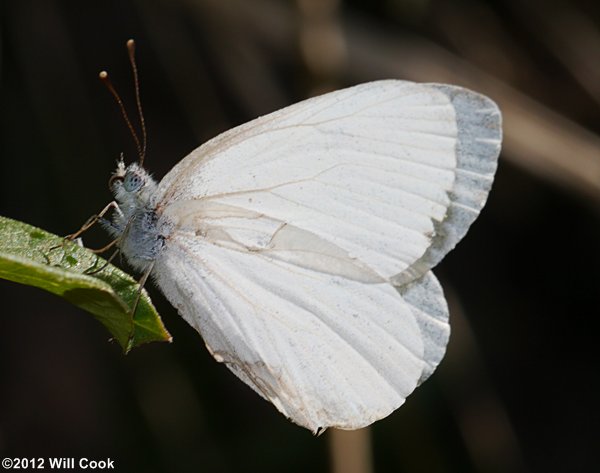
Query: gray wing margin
x=428 y=305
x=479 y=125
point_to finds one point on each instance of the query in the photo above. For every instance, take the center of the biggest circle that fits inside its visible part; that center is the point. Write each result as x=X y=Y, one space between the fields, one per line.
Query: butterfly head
x=131 y=183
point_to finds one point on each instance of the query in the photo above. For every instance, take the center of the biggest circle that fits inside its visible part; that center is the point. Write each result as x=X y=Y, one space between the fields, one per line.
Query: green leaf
x=31 y=256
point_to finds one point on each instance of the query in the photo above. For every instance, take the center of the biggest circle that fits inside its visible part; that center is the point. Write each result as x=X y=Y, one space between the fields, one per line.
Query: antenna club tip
x=130 y=43
x=103 y=75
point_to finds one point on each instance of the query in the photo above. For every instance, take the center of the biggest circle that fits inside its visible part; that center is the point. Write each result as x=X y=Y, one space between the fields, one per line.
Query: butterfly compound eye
x=132 y=182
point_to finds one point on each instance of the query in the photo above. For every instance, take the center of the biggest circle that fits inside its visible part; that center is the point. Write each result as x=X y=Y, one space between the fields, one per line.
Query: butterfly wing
x=289 y=233
x=326 y=350
x=389 y=173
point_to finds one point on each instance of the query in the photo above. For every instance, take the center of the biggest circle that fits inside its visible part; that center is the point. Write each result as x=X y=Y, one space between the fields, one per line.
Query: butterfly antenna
x=136 y=82
x=106 y=81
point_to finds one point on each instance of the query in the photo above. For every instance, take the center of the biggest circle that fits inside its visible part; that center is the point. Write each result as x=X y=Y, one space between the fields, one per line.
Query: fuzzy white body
x=300 y=244
x=141 y=235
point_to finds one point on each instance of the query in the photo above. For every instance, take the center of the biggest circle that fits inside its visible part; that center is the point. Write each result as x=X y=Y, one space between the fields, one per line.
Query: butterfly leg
x=90 y=272
x=94 y=219
x=88 y=224
x=141 y=284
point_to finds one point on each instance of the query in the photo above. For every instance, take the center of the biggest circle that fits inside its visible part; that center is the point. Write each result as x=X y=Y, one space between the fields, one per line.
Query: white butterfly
x=300 y=244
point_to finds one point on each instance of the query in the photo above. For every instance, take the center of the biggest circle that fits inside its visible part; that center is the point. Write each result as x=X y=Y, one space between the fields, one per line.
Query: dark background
x=517 y=391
